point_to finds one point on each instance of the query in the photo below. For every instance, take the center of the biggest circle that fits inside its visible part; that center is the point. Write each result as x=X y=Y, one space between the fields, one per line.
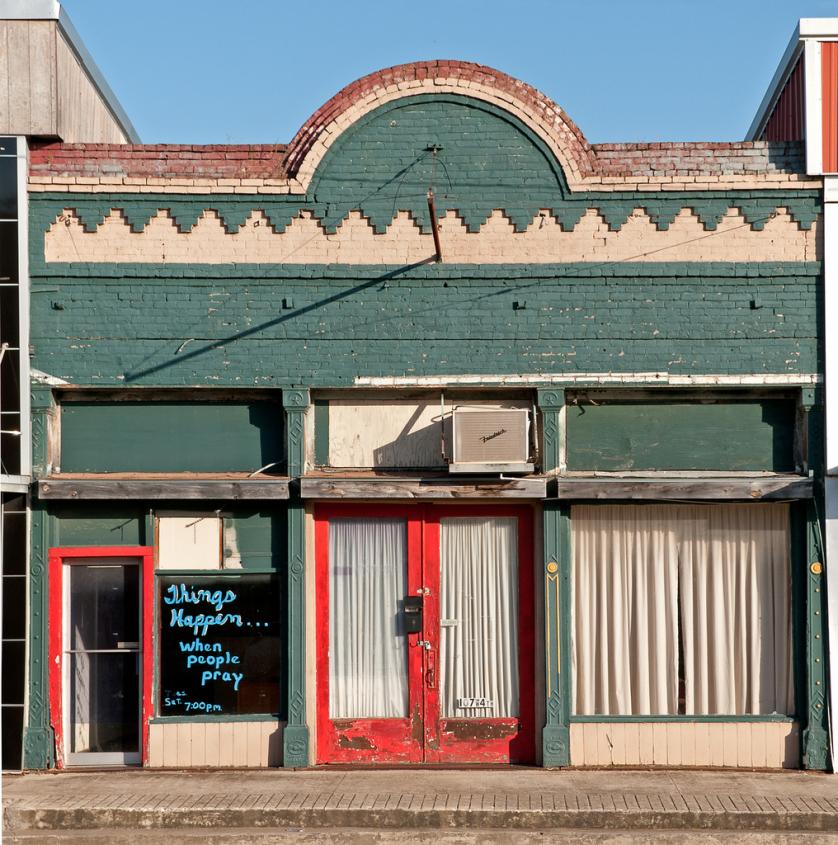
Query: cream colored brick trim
x=664 y=378
x=127 y=185
x=304 y=241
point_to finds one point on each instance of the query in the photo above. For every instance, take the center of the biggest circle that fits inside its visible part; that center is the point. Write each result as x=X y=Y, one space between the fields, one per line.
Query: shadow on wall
x=417 y=448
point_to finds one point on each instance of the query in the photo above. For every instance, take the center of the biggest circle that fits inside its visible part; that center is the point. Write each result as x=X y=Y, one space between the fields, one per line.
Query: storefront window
x=682 y=610
x=219 y=644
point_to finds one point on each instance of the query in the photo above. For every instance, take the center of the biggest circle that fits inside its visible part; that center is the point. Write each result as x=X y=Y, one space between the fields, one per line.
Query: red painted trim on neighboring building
x=787 y=121
x=829 y=105
x=57 y=558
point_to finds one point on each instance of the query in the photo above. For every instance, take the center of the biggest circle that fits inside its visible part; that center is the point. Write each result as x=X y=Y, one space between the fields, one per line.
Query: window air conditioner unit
x=491 y=441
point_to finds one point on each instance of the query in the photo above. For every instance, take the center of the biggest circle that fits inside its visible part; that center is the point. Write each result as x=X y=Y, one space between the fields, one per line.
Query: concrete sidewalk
x=510 y=805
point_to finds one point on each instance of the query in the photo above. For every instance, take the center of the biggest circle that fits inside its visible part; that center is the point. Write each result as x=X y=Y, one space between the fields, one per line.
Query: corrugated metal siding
x=787 y=120
x=829 y=74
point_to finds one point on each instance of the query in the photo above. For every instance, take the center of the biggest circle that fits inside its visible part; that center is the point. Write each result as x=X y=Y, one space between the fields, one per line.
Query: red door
x=457 y=686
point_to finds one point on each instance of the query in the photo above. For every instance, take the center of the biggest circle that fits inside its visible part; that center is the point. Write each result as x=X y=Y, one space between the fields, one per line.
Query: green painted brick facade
x=290 y=326
x=227 y=327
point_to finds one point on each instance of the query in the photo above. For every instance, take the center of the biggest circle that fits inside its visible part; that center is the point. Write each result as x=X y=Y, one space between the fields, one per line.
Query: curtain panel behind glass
x=479 y=617
x=367 y=649
x=693 y=592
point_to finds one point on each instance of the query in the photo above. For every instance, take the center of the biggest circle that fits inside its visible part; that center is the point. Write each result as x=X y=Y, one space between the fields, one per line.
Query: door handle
x=430 y=675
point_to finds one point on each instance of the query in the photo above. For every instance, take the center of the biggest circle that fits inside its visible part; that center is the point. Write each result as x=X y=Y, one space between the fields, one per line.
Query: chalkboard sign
x=219 y=644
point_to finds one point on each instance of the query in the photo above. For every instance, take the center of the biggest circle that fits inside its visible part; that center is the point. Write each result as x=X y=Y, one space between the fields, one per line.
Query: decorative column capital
x=551 y=398
x=296 y=399
x=41 y=397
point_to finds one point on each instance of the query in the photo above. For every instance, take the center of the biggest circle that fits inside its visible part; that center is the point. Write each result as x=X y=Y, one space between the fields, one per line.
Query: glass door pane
x=104 y=606
x=367 y=645
x=104 y=701
x=102 y=661
x=478 y=617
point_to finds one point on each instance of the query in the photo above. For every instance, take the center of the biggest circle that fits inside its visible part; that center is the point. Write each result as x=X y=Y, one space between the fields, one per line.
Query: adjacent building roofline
x=778 y=81
x=818 y=28
x=52 y=10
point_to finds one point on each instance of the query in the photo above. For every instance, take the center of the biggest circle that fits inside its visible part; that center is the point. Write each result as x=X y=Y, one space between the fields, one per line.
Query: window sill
x=748 y=717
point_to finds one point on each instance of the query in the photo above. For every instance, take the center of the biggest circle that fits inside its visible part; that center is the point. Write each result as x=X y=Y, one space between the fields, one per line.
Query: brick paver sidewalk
x=521 y=799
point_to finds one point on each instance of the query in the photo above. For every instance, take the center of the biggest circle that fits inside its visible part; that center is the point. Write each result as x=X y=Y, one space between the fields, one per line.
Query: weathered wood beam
x=723 y=489
x=82 y=489
x=422 y=488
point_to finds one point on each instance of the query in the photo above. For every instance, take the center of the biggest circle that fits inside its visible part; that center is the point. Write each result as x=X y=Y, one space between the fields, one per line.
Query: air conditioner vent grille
x=491 y=436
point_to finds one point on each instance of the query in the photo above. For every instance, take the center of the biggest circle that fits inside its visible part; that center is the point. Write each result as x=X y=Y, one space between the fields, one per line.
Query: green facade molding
x=756 y=207
x=296 y=734
x=38 y=737
x=816 y=732
x=555 y=738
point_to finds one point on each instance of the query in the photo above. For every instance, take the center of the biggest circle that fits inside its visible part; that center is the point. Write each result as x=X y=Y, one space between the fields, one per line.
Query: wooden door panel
x=367 y=740
x=483 y=740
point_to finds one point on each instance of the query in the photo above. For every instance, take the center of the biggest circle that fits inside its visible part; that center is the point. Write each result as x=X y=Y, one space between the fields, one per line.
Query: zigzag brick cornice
x=756 y=208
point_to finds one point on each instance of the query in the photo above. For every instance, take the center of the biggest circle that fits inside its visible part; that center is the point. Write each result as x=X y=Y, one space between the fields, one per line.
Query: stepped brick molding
x=305 y=241
x=162 y=168
x=281 y=169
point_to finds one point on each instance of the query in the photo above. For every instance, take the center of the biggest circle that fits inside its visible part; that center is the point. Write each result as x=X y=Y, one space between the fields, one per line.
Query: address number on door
x=471 y=703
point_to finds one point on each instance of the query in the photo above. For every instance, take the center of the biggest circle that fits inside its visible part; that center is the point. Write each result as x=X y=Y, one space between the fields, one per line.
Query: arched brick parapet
x=529 y=105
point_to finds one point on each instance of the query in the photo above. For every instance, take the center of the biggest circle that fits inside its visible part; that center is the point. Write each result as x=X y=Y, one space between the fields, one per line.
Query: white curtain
x=479 y=617
x=625 y=610
x=735 y=610
x=725 y=567
x=367 y=651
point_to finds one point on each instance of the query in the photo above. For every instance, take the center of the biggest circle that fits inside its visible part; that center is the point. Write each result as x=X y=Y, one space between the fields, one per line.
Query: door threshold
x=436 y=767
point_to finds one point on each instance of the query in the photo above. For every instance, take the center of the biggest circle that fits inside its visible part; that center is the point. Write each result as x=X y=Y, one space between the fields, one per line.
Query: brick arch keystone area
x=530 y=106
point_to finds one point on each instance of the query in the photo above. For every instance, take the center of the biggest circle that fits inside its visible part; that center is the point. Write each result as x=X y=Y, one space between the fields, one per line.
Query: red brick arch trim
x=533 y=108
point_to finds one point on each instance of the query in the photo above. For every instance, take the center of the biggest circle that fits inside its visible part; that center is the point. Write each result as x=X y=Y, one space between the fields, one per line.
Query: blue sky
x=206 y=71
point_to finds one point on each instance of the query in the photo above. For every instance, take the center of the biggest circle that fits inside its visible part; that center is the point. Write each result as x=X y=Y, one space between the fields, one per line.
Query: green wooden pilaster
x=295 y=737
x=816 y=732
x=38 y=740
x=556 y=573
x=813 y=576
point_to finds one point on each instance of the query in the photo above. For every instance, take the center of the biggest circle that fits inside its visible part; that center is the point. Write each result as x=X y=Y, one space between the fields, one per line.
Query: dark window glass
x=8 y=253
x=12 y=718
x=8 y=146
x=14 y=542
x=14 y=607
x=220 y=645
x=8 y=188
x=13 y=674
x=10 y=447
x=9 y=323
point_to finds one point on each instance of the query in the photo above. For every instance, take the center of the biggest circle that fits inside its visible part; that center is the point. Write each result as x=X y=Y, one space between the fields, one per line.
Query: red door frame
x=57 y=558
x=424 y=737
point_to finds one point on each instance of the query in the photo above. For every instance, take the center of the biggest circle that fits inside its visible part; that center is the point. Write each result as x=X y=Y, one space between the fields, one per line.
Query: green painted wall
x=740 y=436
x=170 y=436
x=484 y=159
x=256 y=533
x=95 y=524
x=259 y=536
x=126 y=326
